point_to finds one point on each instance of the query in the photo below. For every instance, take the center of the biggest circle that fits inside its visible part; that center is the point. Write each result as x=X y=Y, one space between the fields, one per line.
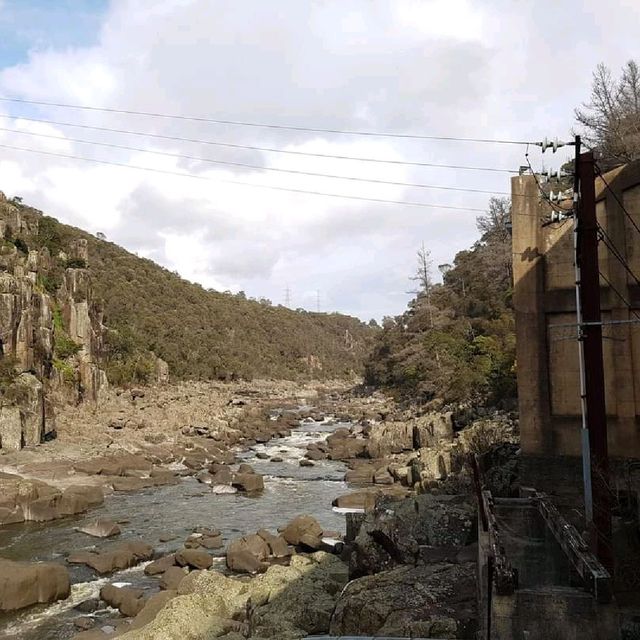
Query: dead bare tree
x=610 y=121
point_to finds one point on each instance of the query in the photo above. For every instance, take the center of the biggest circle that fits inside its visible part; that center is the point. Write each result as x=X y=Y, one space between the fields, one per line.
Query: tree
x=423 y=271
x=495 y=226
x=423 y=278
x=610 y=121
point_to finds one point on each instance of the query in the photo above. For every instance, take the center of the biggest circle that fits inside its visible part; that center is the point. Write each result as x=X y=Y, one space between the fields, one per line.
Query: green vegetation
x=68 y=372
x=201 y=334
x=63 y=347
x=456 y=341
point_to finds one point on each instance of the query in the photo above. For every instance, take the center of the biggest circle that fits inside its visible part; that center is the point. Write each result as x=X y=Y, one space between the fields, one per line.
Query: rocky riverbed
x=205 y=510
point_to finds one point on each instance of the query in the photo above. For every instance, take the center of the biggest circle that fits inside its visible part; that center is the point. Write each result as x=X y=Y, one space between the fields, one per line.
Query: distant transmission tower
x=318 y=300
x=287 y=297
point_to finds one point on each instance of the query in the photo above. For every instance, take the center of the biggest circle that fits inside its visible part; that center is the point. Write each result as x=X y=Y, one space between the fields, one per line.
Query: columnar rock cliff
x=51 y=330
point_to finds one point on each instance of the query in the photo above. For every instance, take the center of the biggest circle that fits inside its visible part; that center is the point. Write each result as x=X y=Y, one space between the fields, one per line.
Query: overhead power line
x=616 y=198
x=256 y=167
x=240 y=182
x=231 y=145
x=263 y=125
x=620 y=295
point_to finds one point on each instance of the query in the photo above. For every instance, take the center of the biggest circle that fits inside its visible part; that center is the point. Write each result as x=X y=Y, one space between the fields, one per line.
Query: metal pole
x=591 y=332
x=584 y=432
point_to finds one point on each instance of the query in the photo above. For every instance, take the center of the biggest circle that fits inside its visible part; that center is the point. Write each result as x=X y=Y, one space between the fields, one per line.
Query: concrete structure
x=547 y=355
x=536 y=579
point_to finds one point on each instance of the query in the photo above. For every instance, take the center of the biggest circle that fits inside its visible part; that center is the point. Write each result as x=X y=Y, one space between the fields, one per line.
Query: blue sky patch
x=41 y=24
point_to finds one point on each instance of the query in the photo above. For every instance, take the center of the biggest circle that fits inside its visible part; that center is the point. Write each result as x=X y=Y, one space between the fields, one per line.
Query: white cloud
x=441 y=67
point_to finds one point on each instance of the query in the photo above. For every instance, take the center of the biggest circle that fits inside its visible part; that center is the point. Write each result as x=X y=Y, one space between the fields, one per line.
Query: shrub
x=64 y=347
x=68 y=372
x=21 y=245
x=76 y=263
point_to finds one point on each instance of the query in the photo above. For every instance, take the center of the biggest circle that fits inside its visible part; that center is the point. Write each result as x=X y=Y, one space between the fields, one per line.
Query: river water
x=174 y=510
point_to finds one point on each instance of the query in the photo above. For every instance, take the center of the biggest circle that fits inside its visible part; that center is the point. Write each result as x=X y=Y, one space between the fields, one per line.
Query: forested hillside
x=456 y=340
x=200 y=333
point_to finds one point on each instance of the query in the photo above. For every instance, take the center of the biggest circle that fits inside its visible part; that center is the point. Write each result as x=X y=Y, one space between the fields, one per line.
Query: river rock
x=303 y=462
x=248 y=554
x=347 y=448
x=122 y=556
x=427 y=601
x=303 y=531
x=278 y=546
x=160 y=565
x=151 y=608
x=248 y=482
x=101 y=528
x=193 y=558
x=127 y=600
x=25 y=583
x=172 y=577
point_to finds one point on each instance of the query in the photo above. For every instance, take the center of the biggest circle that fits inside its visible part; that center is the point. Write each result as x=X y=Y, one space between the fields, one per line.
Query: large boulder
x=433 y=428
x=194 y=558
x=127 y=600
x=390 y=437
x=396 y=530
x=248 y=482
x=426 y=601
x=25 y=583
x=283 y=603
x=122 y=556
x=304 y=531
x=248 y=554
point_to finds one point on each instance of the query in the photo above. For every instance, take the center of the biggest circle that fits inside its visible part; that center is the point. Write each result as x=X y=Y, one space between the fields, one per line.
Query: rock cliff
x=51 y=331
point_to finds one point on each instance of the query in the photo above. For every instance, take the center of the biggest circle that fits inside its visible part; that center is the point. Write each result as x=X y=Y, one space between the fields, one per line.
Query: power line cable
x=256 y=167
x=231 y=145
x=151 y=114
x=620 y=296
x=615 y=196
x=616 y=253
x=240 y=182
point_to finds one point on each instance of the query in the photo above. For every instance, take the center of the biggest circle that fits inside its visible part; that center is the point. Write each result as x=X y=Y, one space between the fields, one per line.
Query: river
x=174 y=510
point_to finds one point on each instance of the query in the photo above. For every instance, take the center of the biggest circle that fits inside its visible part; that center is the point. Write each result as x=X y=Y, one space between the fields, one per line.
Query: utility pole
x=318 y=300
x=592 y=391
x=287 y=297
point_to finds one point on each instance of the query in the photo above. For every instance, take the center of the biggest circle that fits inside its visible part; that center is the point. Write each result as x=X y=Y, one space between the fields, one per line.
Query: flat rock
x=101 y=528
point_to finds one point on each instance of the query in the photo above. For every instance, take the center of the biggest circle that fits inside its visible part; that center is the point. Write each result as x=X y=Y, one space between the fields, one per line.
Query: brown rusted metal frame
x=505 y=577
x=596 y=578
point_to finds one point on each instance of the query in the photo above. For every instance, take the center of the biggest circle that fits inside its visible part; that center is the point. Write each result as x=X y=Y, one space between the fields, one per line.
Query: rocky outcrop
x=432 y=601
x=121 y=556
x=51 y=330
x=25 y=583
x=283 y=603
x=405 y=532
x=23 y=500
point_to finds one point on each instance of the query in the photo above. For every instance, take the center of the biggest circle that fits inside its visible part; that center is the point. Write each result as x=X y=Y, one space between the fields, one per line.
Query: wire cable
x=606 y=239
x=151 y=114
x=240 y=182
x=615 y=197
x=257 y=148
x=617 y=292
x=256 y=167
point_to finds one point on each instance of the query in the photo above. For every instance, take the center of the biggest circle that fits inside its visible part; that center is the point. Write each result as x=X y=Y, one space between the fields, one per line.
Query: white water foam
x=80 y=592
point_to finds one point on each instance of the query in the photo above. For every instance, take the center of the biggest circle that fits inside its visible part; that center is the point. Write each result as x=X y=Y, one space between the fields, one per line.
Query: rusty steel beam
x=505 y=577
x=596 y=578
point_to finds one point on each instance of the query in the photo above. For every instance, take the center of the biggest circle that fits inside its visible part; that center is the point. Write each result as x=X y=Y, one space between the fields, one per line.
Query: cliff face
x=51 y=331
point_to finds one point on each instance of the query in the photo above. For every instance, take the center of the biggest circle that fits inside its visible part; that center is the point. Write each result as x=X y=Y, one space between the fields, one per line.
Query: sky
x=492 y=69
